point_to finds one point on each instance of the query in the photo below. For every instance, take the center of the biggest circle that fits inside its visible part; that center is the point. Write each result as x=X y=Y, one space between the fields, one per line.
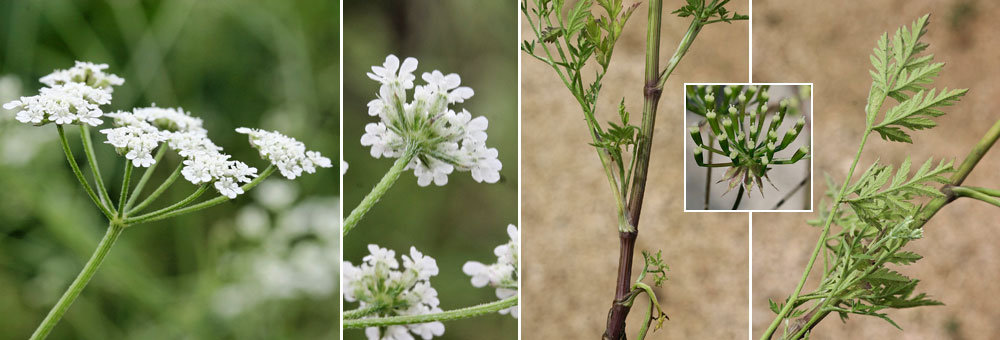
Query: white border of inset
x=812 y=147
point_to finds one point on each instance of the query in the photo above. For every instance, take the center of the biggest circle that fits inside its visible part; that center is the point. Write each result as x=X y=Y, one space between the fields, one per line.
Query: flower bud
x=696 y=135
x=713 y=122
x=801 y=152
x=765 y=161
x=733 y=155
x=783 y=104
x=732 y=109
x=764 y=96
x=728 y=90
x=699 y=156
x=724 y=142
x=709 y=98
x=742 y=98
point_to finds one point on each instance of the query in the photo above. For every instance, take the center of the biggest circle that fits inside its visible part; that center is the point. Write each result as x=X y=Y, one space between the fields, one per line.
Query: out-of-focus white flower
x=445 y=140
x=288 y=154
x=380 y=282
x=502 y=275
x=343 y=167
x=70 y=103
x=276 y=194
x=293 y=254
x=86 y=73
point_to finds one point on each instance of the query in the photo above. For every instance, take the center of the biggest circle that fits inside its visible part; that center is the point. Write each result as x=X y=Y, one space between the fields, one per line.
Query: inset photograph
x=748 y=147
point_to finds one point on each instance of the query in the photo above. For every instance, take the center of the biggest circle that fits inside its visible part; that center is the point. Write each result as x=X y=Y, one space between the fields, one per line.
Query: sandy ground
x=568 y=219
x=828 y=43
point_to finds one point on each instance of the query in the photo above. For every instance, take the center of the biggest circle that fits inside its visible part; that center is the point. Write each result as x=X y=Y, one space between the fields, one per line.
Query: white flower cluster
x=137 y=134
x=446 y=140
x=72 y=96
x=503 y=274
x=288 y=154
x=379 y=282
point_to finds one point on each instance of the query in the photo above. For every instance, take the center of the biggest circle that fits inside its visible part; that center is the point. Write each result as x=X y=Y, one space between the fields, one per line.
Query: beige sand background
x=827 y=43
x=569 y=228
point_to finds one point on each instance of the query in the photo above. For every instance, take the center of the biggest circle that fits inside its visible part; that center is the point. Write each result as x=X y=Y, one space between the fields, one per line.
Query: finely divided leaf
x=915 y=112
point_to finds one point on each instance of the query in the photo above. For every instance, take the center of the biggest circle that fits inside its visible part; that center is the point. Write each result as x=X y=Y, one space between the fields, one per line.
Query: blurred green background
x=462 y=220
x=263 y=266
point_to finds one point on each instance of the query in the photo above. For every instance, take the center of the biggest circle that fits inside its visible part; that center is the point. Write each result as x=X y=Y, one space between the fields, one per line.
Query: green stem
x=380 y=188
x=977 y=153
x=361 y=312
x=74 y=290
x=206 y=204
x=182 y=203
x=159 y=190
x=456 y=314
x=125 y=184
x=146 y=174
x=986 y=191
x=79 y=174
x=793 y=299
x=88 y=148
x=739 y=197
x=972 y=193
x=708 y=172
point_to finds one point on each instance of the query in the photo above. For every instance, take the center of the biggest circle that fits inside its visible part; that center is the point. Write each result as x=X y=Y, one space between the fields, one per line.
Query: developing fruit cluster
x=740 y=130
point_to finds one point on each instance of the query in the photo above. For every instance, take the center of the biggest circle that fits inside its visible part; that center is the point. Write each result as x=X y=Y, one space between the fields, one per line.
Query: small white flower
x=85 y=73
x=502 y=275
x=445 y=140
x=288 y=154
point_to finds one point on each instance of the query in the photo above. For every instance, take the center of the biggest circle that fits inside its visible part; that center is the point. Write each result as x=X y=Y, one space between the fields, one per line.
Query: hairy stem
x=75 y=288
x=361 y=312
x=462 y=313
x=380 y=188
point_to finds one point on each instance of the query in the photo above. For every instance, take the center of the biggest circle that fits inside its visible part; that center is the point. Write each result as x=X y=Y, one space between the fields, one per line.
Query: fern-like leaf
x=915 y=112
